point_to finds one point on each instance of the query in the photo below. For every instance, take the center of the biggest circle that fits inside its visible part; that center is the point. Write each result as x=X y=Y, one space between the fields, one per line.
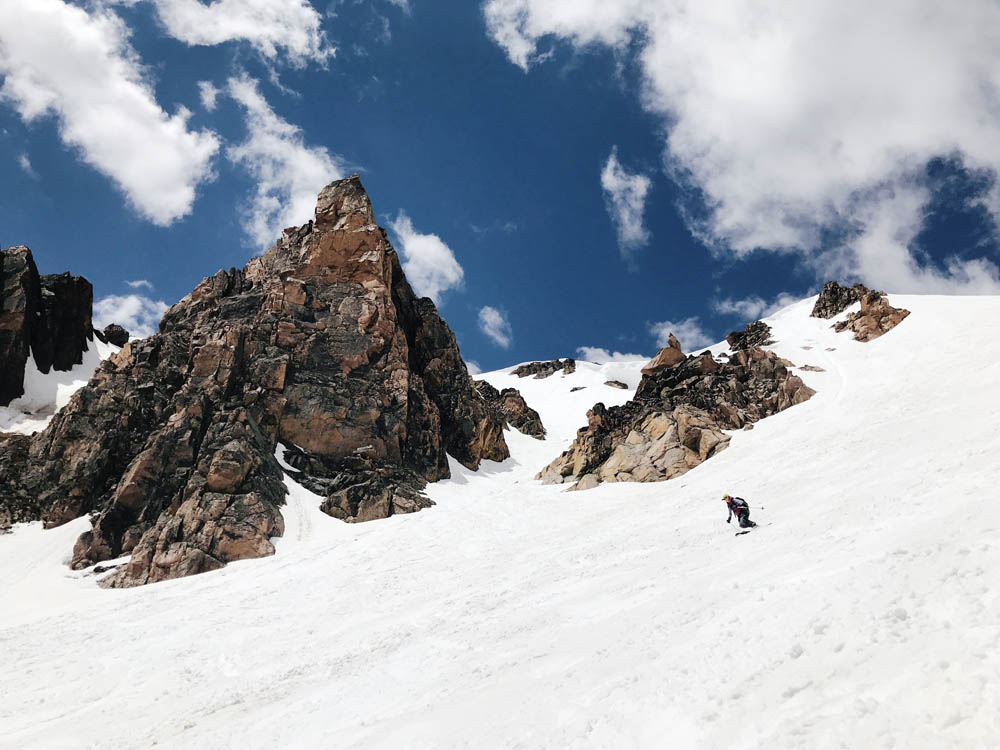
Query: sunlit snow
x=864 y=613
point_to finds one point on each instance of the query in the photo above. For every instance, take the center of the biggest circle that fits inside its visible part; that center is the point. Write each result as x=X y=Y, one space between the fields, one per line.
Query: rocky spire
x=319 y=348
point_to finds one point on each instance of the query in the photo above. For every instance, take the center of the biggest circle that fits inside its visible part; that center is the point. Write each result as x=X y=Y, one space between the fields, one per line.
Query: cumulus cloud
x=208 y=92
x=429 y=264
x=688 y=331
x=600 y=356
x=625 y=196
x=137 y=314
x=57 y=59
x=289 y=30
x=495 y=325
x=789 y=120
x=754 y=307
x=289 y=173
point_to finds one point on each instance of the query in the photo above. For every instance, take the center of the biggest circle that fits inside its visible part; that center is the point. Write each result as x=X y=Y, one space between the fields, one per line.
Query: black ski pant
x=743 y=516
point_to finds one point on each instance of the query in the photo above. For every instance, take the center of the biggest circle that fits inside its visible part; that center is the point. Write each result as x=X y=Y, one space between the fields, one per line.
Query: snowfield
x=46 y=393
x=864 y=614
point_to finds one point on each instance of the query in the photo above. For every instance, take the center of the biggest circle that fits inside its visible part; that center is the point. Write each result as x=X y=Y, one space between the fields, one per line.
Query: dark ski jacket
x=737 y=505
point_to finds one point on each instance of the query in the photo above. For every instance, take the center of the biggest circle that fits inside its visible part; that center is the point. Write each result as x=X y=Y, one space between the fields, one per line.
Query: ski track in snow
x=515 y=615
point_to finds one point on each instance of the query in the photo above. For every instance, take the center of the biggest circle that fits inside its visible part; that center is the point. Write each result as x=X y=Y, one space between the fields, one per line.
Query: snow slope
x=513 y=615
x=46 y=393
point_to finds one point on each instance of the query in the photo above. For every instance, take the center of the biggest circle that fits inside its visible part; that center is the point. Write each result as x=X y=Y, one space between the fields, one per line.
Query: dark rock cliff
x=46 y=318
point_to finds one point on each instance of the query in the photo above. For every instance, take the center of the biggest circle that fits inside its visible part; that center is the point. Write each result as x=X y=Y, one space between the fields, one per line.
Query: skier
x=738 y=507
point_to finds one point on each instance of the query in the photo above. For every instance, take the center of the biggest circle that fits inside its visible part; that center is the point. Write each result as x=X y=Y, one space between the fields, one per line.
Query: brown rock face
x=545 y=369
x=320 y=345
x=676 y=419
x=669 y=356
x=875 y=318
x=47 y=317
x=834 y=299
x=514 y=410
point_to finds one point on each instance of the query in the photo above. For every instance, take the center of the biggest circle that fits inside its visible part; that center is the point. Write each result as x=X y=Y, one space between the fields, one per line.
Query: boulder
x=616 y=384
x=113 y=334
x=669 y=356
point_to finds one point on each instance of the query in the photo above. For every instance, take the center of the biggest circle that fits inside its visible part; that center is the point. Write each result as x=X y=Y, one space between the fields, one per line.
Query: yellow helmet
x=726 y=497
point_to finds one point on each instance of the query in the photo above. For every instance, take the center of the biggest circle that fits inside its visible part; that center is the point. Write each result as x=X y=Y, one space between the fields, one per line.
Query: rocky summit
x=318 y=348
x=677 y=417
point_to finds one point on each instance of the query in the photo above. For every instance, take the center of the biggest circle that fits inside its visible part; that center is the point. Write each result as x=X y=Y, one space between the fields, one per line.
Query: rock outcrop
x=319 y=345
x=834 y=299
x=676 y=419
x=514 y=409
x=545 y=369
x=875 y=318
x=756 y=334
x=44 y=317
x=669 y=356
x=616 y=384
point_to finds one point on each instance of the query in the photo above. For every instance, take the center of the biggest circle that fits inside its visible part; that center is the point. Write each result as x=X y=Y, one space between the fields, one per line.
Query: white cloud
x=140 y=284
x=25 y=163
x=473 y=367
x=286 y=30
x=495 y=325
x=791 y=119
x=137 y=314
x=601 y=356
x=57 y=59
x=289 y=173
x=754 y=307
x=429 y=264
x=625 y=195
x=403 y=5
x=688 y=331
x=208 y=92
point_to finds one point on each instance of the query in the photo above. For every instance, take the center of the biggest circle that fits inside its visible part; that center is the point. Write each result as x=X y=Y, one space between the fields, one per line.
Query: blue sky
x=556 y=173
